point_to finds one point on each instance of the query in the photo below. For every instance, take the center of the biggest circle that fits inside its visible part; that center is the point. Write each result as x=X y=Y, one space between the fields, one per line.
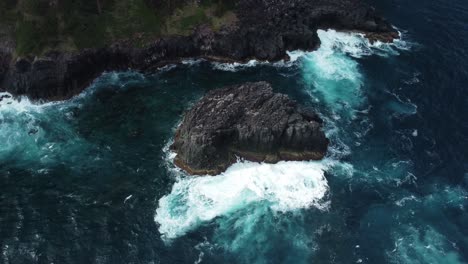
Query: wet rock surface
x=247 y=121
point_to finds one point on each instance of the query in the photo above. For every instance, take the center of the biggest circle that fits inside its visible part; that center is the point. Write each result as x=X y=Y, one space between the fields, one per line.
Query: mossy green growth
x=188 y=22
x=40 y=25
x=32 y=37
x=185 y=19
x=136 y=21
x=221 y=7
x=7 y=13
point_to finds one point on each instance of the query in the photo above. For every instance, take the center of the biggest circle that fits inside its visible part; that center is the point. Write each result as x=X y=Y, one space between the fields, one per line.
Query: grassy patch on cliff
x=42 y=25
x=7 y=18
x=214 y=13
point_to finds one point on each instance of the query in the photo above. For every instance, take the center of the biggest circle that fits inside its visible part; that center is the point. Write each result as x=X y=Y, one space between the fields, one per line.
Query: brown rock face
x=247 y=121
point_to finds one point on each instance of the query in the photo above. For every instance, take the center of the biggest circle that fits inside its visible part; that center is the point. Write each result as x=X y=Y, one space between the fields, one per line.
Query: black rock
x=4 y=96
x=265 y=30
x=247 y=121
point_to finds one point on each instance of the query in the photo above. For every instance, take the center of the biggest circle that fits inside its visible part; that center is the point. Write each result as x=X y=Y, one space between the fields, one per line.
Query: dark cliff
x=263 y=30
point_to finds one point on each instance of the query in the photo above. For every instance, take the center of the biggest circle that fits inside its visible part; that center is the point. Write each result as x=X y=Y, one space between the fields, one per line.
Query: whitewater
x=266 y=190
x=91 y=179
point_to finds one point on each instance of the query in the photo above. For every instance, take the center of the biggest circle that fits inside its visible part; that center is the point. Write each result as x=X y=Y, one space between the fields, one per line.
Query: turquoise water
x=91 y=180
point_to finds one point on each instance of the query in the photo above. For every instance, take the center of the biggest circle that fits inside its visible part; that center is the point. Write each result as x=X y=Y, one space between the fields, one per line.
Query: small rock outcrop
x=249 y=121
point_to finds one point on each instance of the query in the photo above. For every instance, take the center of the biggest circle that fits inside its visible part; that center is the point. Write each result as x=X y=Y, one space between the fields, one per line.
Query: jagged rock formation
x=265 y=30
x=247 y=121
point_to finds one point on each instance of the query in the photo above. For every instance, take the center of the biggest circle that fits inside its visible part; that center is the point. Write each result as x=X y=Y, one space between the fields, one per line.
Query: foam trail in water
x=28 y=136
x=402 y=106
x=283 y=187
x=8 y=103
x=357 y=45
x=235 y=66
x=286 y=186
x=19 y=128
x=415 y=245
x=425 y=243
x=332 y=73
x=352 y=44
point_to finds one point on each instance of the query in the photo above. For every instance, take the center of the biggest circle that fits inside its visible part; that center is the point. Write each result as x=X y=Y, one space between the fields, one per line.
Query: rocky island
x=247 y=121
x=52 y=50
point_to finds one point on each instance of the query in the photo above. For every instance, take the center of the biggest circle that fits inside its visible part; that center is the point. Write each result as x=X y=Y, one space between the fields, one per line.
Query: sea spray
x=254 y=233
x=377 y=213
x=427 y=242
x=332 y=73
x=40 y=135
x=283 y=187
x=333 y=79
x=20 y=127
x=350 y=43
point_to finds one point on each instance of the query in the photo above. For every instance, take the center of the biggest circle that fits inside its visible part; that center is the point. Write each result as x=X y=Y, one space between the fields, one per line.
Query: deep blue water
x=90 y=180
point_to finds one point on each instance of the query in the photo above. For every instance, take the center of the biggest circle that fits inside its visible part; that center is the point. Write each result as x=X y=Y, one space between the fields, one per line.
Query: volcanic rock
x=247 y=121
x=264 y=30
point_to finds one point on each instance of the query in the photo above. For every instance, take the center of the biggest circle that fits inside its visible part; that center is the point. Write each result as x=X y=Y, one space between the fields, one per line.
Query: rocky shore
x=247 y=121
x=264 y=30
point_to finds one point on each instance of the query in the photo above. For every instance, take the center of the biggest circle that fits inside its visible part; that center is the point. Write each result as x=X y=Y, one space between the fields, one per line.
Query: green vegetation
x=31 y=37
x=198 y=18
x=42 y=25
x=134 y=16
x=211 y=12
x=7 y=14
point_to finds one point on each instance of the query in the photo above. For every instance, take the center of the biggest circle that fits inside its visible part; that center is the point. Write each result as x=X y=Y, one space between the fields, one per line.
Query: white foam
x=128 y=198
x=18 y=105
x=423 y=244
x=235 y=66
x=406 y=199
x=357 y=45
x=17 y=117
x=332 y=76
x=402 y=106
x=191 y=62
x=353 y=44
x=24 y=131
x=332 y=72
x=294 y=56
x=167 y=68
x=285 y=186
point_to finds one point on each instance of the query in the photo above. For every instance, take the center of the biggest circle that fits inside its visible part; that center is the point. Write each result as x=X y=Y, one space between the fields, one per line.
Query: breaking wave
x=283 y=187
x=353 y=44
x=244 y=201
x=332 y=73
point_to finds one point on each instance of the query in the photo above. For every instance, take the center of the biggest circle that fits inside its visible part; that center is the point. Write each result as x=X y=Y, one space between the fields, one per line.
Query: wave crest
x=284 y=187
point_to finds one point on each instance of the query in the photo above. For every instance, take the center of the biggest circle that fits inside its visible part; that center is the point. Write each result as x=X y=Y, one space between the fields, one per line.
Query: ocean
x=91 y=179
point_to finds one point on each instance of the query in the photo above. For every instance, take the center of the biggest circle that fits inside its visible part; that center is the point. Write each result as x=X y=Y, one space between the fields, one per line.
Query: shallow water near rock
x=90 y=180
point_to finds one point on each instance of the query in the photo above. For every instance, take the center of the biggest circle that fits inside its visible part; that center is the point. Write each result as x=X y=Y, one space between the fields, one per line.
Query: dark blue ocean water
x=90 y=180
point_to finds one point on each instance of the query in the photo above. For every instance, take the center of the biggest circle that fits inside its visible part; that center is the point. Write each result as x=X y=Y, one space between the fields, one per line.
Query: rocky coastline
x=264 y=30
x=247 y=121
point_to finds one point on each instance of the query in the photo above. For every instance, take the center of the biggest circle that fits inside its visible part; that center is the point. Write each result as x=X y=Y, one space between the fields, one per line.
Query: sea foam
x=284 y=187
x=351 y=43
x=18 y=105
